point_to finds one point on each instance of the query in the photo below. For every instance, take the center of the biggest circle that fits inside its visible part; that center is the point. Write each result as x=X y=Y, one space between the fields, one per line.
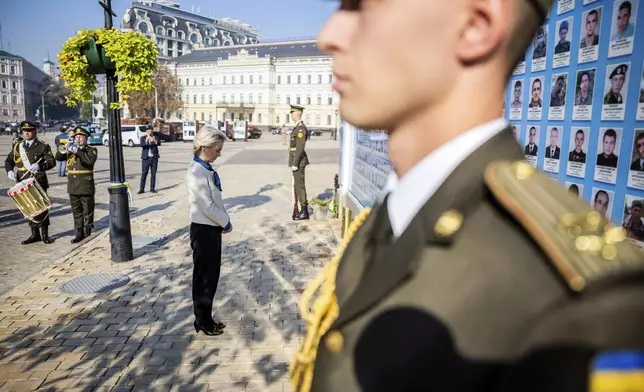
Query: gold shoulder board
x=583 y=246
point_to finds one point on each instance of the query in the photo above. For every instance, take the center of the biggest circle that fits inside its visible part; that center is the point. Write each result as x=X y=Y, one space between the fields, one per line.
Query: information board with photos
x=576 y=101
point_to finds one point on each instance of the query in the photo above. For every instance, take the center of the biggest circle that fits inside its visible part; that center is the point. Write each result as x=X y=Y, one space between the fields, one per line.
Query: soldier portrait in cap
x=622 y=27
x=633 y=221
x=584 y=91
x=552 y=159
x=562 y=38
x=614 y=103
x=565 y=6
x=575 y=189
x=608 y=146
x=602 y=201
x=589 y=35
x=540 y=49
x=577 y=147
x=531 y=149
x=535 y=106
x=636 y=169
x=559 y=85
x=516 y=103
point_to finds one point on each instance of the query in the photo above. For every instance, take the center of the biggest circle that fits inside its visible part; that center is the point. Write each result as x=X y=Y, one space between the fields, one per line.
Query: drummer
x=80 y=181
x=32 y=157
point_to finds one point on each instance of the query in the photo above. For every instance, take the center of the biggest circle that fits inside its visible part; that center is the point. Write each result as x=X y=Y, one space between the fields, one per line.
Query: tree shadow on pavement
x=239 y=203
x=141 y=335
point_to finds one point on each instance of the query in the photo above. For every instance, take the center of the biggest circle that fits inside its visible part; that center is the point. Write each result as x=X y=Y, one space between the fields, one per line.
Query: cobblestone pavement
x=140 y=336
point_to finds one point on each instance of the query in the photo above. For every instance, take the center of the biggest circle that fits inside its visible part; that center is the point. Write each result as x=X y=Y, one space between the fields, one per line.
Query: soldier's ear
x=483 y=32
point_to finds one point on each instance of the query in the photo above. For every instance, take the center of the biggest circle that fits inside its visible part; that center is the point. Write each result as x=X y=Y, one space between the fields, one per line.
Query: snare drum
x=30 y=198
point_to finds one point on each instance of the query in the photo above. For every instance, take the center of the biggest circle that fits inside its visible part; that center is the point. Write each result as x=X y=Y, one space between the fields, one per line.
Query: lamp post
x=42 y=96
x=120 y=229
x=156 y=103
x=335 y=133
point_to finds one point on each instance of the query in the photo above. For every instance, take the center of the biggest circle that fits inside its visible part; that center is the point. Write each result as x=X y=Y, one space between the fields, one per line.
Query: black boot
x=44 y=231
x=35 y=237
x=304 y=213
x=88 y=231
x=80 y=235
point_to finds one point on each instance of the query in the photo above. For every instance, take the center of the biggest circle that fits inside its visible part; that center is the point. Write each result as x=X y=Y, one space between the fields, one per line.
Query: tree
x=168 y=96
x=55 y=93
x=86 y=111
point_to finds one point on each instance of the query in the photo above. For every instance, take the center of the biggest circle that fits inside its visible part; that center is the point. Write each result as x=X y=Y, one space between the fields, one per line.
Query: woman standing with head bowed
x=209 y=220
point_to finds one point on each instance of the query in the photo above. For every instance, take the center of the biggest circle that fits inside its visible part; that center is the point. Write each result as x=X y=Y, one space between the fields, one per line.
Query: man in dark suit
x=638 y=163
x=476 y=272
x=553 y=151
x=149 y=159
x=531 y=148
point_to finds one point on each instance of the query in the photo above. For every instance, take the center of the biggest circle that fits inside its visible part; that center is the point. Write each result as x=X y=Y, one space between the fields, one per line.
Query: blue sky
x=33 y=27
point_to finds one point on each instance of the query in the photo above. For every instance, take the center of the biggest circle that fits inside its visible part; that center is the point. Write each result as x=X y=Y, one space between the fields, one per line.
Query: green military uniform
x=34 y=152
x=612 y=97
x=80 y=184
x=503 y=281
x=297 y=158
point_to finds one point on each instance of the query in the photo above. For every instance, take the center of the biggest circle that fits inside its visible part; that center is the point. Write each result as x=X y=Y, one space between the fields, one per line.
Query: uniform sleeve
x=48 y=162
x=9 y=163
x=87 y=156
x=300 y=143
x=202 y=196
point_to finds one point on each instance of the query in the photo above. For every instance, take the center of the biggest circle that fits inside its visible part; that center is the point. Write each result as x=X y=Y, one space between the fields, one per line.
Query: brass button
x=334 y=341
x=523 y=170
x=615 y=235
x=448 y=223
x=593 y=219
x=609 y=252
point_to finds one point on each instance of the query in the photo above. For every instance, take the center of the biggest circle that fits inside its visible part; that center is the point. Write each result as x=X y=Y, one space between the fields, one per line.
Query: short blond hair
x=208 y=136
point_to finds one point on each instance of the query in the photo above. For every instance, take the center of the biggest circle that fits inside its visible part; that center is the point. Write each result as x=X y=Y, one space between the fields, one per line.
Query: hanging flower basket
x=131 y=55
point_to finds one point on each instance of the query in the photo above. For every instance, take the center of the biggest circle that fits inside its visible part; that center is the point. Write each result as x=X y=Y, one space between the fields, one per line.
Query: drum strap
x=23 y=155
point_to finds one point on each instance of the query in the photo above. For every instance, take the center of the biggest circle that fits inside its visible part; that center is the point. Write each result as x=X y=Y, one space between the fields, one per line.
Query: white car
x=130 y=135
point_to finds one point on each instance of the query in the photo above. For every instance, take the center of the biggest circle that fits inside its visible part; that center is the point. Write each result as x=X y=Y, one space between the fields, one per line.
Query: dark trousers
x=299 y=178
x=83 y=210
x=149 y=164
x=42 y=220
x=205 y=241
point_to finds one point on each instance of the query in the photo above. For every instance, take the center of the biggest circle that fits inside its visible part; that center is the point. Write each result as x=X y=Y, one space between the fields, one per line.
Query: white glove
x=72 y=148
x=34 y=168
x=294 y=168
x=11 y=175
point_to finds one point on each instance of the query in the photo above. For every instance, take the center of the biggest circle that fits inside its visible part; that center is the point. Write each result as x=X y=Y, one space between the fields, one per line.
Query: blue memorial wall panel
x=577 y=102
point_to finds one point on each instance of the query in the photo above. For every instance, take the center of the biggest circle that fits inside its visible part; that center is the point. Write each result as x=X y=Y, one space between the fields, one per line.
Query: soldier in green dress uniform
x=475 y=272
x=617 y=79
x=80 y=160
x=32 y=157
x=298 y=160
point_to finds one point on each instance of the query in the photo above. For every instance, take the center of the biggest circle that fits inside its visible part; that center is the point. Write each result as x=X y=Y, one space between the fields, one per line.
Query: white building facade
x=20 y=83
x=257 y=83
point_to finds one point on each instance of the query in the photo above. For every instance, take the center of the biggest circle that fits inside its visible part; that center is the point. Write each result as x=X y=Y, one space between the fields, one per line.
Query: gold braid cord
x=324 y=311
x=16 y=154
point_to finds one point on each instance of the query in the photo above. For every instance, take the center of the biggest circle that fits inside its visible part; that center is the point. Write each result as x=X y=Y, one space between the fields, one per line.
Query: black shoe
x=303 y=215
x=88 y=231
x=140 y=191
x=153 y=191
x=220 y=325
x=210 y=331
x=80 y=235
x=35 y=237
x=44 y=231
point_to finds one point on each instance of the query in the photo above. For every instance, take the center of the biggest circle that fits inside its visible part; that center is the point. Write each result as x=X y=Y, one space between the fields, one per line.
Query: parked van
x=189 y=130
x=130 y=135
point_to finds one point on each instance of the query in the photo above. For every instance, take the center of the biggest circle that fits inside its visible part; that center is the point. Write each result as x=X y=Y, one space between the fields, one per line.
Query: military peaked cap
x=296 y=107
x=81 y=131
x=619 y=70
x=28 y=126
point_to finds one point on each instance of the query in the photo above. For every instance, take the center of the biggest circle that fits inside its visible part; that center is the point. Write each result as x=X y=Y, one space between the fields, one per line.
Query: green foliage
x=133 y=54
x=87 y=111
x=320 y=202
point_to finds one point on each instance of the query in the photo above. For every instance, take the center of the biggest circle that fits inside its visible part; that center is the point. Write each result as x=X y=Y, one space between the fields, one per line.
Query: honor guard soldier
x=475 y=272
x=298 y=160
x=32 y=156
x=80 y=160
x=15 y=137
x=617 y=79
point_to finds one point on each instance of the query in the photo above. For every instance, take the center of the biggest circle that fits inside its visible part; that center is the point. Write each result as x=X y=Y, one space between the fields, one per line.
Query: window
x=5 y=112
x=317 y=119
x=194 y=116
x=299 y=79
x=232 y=116
x=194 y=99
x=195 y=81
x=319 y=99
x=250 y=117
x=288 y=79
x=278 y=99
x=330 y=78
x=259 y=118
x=3 y=68
x=241 y=98
x=308 y=99
x=279 y=79
x=210 y=98
x=241 y=116
x=14 y=85
x=319 y=79
x=15 y=113
x=250 y=98
x=14 y=100
x=143 y=28
x=260 y=79
x=288 y=100
x=328 y=119
x=277 y=119
x=330 y=100
x=203 y=99
x=297 y=99
x=209 y=116
x=232 y=78
x=308 y=79
x=180 y=115
x=288 y=118
x=5 y=99
x=159 y=30
x=232 y=98
x=307 y=119
x=251 y=79
x=224 y=79
x=187 y=82
x=223 y=98
x=241 y=79
x=180 y=82
x=4 y=84
x=202 y=116
x=181 y=35
x=210 y=81
x=259 y=99
x=187 y=98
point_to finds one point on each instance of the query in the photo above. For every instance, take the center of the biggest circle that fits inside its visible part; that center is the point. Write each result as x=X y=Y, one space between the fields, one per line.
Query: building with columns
x=20 y=83
x=257 y=83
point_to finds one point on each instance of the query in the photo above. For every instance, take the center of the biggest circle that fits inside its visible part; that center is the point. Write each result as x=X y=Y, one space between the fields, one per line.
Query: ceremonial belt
x=292 y=148
x=22 y=169
x=80 y=172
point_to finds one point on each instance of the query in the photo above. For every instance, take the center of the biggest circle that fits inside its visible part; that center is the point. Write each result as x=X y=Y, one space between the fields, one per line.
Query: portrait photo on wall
x=565 y=6
x=577 y=147
x=584 y=91
x=622 y=28
x=535 y=106
x=633 y=220
x=636 y=168
x=614 y=103
x=602 y=201
x=563 y=37
x=516 y=103
x=516 y=132
x=531 y=149
x=540 y=49
x=589 y=35
x=553 y=149
x=557 y=107
x=520 y=68
x=588 y=1
x=640 y=101
x=608 y=145
x=575 y=189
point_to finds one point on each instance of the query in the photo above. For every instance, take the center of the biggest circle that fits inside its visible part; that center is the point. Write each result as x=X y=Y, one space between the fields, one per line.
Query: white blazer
x=206 y=203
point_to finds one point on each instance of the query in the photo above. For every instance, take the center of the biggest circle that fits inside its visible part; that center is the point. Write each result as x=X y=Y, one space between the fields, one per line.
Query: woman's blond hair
x=206 y=137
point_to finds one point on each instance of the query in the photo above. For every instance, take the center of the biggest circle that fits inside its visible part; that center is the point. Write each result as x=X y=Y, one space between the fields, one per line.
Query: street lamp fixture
x=42 y=96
